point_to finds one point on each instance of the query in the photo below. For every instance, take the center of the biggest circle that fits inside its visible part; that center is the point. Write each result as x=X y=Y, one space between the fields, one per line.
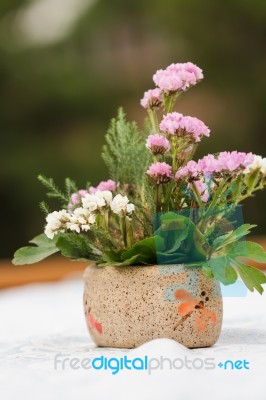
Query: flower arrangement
x=159 y=205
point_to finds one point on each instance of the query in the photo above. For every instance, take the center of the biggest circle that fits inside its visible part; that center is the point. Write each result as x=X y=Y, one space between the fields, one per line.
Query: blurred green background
x=66 y=66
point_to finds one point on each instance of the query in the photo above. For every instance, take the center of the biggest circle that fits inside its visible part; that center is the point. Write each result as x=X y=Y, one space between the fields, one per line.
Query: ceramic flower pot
x=128 y=306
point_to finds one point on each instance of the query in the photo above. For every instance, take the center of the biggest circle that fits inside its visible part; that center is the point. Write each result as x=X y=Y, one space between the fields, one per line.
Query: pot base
x=128 y=306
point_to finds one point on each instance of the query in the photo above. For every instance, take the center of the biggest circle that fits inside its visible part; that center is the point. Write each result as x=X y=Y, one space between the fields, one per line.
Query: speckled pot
x=128 y=306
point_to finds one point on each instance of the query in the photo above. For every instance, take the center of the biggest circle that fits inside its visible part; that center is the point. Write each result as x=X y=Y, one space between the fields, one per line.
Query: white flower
x=56 y=223
x=263 y=166
x=80 y=220
x=90 y=202
x=73 y=227
x=106 y=195
x=120 y=205
x=60 y=221
x=94 y=202
x=258 y=163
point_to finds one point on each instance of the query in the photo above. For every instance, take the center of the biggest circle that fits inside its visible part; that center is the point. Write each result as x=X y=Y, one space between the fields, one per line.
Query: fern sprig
x=44 y=207
x=53 y=190
x=124 y=153
x=70 y=187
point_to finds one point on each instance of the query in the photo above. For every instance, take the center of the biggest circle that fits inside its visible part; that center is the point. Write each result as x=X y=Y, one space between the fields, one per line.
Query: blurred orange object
x=52 y=269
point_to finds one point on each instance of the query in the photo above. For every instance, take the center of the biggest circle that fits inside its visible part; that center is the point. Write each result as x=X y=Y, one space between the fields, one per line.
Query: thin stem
x=249 y=194
x=157 y=197
x=123 y=229
x=130 y=236
x=197 y=194
x=153 y=120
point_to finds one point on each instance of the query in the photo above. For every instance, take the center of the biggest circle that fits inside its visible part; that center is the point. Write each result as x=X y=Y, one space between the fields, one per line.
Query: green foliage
x=129 y=261
x=232 y=237
x=103 y=238
x=222 y=270
x=225 y=259
x=124 y=153
x=53 y=190
x=71 y=245
x=145 y=250
x=70 y=187
x=250 y=250
x=44 y=207
x=43 y=248
x=252 y=277
x=183 y=242
x=77 y=247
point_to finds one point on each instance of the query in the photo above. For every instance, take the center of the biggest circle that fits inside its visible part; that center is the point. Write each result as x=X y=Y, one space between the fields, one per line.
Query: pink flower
x=225 y=162
x=75 y=199
x=170 y=123
x=208 y=164
x=157 y=144
x=151 y=98
x=178 y=77
x=104 y=185
x=202 y=189
x=160 y=171
x=234 y=160
x=191 y=170
x=176 y=124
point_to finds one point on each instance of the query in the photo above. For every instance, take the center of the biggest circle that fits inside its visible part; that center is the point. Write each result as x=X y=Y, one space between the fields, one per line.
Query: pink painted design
x=93 y=324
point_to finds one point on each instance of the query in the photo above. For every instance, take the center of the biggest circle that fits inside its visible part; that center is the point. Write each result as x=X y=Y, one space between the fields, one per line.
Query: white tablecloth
x=40 y=321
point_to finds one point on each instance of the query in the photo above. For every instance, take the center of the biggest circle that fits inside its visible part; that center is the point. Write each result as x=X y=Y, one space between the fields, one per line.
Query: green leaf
x=128 y=262
x=173 y=258
x=146 y=250
x=181 y=235
x=110 y=257
x=77 y=247
x=252 y=277
x=250 y=250
x=174 y=230
x=207 y=271
x=43 y=248
x=222 y=270
x=232 y=236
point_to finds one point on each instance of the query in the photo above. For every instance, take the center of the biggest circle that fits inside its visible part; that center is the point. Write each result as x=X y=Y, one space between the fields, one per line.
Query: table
x=40 y=321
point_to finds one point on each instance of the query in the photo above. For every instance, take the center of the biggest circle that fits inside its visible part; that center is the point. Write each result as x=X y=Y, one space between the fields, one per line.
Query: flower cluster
x=160 y=172
x=76 y=199
x=157 y=144
x=152 y=98
x=193 y=198
x=177 y=77
x=258 y=164
x=95 y=202
x=61 y=221
x=83 y=217
x=190 y=170
x=104 y=185
x=121 y=206
x=177 y=124
x=227 y=162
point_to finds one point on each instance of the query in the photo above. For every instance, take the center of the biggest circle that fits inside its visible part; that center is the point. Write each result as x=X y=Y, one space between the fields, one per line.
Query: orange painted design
x=182 y=294
x=190 y=305
x=186 y=307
